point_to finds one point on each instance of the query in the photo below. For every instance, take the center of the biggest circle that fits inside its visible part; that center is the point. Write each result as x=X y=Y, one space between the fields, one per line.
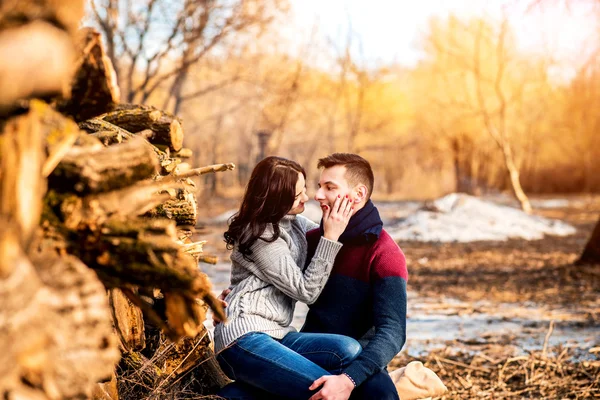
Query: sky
x=389 y=30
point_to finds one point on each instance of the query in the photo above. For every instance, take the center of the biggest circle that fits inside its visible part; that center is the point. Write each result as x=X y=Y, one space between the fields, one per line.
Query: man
x=365 y=296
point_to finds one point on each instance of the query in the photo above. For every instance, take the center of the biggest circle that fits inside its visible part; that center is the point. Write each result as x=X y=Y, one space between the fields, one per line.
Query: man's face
x=331 y=185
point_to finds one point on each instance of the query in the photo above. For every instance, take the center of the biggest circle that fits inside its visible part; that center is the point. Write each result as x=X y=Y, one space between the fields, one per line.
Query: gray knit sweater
x=265 y=290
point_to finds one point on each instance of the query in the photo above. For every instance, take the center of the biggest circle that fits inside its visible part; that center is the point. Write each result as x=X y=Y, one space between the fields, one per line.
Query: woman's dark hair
x=269 y=196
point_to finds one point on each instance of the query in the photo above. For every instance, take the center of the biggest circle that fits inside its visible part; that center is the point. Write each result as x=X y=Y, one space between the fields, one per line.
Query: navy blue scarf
x=364 y=226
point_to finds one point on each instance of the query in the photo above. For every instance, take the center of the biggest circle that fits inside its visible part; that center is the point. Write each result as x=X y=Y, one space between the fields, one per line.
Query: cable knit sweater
x=265 y=290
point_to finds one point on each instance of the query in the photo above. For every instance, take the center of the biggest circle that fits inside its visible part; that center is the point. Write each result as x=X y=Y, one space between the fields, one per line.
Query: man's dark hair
x=358 y=170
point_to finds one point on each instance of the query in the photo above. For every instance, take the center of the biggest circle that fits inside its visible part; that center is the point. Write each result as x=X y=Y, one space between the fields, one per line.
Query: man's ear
x=361 y=194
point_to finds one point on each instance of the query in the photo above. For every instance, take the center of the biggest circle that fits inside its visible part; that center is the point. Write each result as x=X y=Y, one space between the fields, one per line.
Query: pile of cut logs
x=99 y=277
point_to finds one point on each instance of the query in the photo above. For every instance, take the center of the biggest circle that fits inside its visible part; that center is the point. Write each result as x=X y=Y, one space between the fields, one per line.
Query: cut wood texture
x=36 y=48
x=94 y=89
x=94 y=169
x=90 y=202
x=21 y=183
x=128 y=321
x=166 y=128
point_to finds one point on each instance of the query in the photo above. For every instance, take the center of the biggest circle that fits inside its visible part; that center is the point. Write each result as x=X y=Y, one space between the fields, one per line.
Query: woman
x=257 y=346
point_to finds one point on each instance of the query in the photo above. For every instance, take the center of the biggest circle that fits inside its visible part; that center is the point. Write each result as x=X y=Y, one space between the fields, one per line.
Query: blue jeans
x=377 y=387
x=284 y=368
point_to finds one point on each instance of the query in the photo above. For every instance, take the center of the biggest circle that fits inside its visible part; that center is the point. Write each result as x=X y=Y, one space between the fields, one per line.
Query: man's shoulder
x=388 y=258
x=385 y=243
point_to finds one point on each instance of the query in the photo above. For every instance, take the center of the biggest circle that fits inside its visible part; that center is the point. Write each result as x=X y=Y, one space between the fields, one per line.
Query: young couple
x=349 y=270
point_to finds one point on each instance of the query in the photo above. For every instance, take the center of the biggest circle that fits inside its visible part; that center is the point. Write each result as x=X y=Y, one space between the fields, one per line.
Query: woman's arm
x=274 y=264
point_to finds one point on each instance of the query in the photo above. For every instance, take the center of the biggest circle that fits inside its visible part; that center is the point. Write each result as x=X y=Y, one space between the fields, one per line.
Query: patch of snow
x=550 y=203
x=463 y=218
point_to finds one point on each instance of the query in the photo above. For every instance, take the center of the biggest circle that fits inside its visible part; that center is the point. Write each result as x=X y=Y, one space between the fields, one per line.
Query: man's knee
x=378 y=387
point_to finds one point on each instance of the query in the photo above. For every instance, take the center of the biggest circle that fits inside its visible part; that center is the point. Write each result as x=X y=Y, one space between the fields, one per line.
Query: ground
x=513 y=319
x=536 y=275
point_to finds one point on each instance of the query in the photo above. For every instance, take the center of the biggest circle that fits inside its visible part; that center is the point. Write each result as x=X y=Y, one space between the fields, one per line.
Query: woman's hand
x=336 y=218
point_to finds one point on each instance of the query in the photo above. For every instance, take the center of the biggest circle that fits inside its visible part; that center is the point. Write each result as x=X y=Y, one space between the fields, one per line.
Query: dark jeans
x=284 y=368
x=378 y=387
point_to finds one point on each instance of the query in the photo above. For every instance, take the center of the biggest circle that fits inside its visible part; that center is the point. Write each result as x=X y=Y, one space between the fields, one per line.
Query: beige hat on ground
x=416 y=381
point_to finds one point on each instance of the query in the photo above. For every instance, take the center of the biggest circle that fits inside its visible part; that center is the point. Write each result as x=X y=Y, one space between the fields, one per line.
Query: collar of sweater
x=364 y=227
x=286 y=222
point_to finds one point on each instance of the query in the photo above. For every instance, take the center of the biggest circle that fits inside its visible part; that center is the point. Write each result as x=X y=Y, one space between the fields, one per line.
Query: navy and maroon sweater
x=364 y=298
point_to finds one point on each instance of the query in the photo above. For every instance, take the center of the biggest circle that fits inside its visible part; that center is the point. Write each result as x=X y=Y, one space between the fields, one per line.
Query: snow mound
x=463 y=218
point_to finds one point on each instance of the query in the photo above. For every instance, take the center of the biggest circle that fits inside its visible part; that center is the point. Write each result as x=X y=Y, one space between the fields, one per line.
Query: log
x=66 y=14
x=107 y=390
x=52 y=310
x=36 y=62
x=24 y=339
x=95 y=125
x=111 y=134
x=166 y=128
x=94 y=169
x=141 y=252
x=91 y=211
x=136 y=376
x=81 y=325
x=94 y=89
x=21 y=161
x=182 y=208
x=108 y=138
x=128 y=321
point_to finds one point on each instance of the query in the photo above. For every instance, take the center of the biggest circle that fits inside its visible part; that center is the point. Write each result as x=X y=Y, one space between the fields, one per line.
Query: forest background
x=473 y=110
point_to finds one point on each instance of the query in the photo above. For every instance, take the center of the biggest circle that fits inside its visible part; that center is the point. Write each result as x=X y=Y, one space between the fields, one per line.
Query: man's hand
x=335 y=387
x=221 y=298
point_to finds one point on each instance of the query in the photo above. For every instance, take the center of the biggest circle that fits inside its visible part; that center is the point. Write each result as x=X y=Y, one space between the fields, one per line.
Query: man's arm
x=389 y=318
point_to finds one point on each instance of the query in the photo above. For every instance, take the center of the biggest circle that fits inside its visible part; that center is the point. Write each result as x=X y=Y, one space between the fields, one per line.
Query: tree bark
x=591 y=252
x=182 y=209
x=94 y=90
x=95 y=169
x=21 y=162
x=166 y=127
x=128 y=321
x=514 y=178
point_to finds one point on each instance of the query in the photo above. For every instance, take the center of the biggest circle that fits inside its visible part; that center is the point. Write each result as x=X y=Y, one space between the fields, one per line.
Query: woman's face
x=301 y=196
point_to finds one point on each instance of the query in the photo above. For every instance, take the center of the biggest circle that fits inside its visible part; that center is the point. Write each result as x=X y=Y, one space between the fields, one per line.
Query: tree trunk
x=591 y=252
x=514 y=178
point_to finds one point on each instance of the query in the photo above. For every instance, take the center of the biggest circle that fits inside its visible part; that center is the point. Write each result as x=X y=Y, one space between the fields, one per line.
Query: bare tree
x=155 y=43
x=498 y=130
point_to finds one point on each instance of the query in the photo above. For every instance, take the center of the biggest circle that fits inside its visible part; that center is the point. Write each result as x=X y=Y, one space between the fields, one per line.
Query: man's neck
x=359 y=206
